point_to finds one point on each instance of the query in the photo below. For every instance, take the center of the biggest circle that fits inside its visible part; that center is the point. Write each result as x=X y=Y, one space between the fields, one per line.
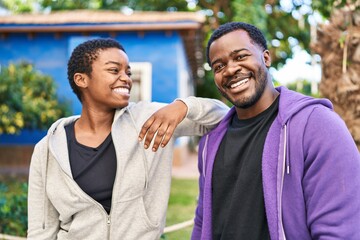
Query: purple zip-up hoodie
x=310 y=170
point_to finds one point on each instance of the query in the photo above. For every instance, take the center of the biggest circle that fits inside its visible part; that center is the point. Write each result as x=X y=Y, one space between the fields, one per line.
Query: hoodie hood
x=57 y=137
x=290 y=101
x=294 y=102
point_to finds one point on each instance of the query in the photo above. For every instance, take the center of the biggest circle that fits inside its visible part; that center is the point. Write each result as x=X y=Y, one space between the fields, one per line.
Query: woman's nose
x=124 y=78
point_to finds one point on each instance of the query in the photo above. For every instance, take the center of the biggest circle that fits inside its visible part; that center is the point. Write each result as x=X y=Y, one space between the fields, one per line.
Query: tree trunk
x=338 y=44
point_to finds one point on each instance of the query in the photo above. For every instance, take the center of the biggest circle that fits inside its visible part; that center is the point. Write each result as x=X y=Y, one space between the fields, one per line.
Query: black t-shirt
x=237 y=193
x=93 y=169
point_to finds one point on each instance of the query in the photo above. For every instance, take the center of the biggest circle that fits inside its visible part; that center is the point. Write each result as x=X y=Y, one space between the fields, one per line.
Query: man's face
x=110 y=83
x=240 y=68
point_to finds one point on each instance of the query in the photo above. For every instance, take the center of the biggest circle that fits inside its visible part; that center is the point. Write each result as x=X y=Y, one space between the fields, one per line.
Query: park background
x=315 y=47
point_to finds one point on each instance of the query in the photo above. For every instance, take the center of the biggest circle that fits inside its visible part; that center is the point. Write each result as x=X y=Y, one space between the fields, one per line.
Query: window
x=141 y=77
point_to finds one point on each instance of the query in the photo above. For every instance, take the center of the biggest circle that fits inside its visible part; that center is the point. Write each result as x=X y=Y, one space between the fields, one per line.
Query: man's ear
x=80 y=80
x=267 y=58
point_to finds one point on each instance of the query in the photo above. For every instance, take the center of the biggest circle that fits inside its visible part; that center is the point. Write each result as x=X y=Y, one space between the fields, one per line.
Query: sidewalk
x=185 y=164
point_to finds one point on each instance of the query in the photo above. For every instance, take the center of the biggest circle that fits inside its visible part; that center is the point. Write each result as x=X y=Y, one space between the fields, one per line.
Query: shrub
x=13 y=208
x=28 y=99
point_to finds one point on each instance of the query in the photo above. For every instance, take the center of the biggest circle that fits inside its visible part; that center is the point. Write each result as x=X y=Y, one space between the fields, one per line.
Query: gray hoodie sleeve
x=43 y=219
x=202 y=116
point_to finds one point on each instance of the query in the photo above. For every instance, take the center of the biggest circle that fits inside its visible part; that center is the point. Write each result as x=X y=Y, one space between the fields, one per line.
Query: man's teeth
x=121 y=90
x=239 y=83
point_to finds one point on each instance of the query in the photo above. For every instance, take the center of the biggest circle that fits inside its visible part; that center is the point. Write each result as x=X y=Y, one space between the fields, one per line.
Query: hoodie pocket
x=151 y=225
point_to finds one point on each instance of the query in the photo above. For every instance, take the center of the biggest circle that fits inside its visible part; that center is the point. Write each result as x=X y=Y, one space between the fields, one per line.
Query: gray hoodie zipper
x=108 y=222
x=108 y=218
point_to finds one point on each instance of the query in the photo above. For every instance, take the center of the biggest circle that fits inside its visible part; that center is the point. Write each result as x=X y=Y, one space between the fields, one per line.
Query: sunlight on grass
x=182 y=204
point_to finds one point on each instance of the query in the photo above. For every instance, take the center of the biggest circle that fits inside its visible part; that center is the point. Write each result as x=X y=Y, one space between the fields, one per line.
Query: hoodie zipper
x=108 y=223
x=204 y=155
x=284 y=166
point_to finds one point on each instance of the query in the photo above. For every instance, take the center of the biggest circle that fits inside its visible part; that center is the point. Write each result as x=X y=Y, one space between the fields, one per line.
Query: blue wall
x=50 y=55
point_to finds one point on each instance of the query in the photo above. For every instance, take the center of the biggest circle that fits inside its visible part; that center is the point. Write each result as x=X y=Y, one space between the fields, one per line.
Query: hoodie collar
x=292 y=102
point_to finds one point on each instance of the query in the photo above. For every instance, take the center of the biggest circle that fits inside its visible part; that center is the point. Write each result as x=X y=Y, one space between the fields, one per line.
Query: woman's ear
x=80 y=80
x=267 y=58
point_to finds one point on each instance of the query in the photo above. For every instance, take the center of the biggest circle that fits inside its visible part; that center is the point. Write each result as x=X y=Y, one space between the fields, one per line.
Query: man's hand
x=162 y=124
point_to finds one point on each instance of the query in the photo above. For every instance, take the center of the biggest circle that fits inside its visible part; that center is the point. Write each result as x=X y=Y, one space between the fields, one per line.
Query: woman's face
x=109 y=84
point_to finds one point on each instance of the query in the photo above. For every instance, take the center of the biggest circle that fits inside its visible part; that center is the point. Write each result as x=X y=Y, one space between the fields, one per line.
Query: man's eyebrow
x=231 y=54
x=215 y=61
x=236 y=51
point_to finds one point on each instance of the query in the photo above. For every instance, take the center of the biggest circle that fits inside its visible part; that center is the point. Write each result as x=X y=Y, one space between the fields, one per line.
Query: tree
x=28 y=99
x=287 y=25
x=338 y=44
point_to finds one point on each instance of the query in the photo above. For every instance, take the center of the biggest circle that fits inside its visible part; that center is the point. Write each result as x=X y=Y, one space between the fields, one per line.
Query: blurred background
x=314 y=44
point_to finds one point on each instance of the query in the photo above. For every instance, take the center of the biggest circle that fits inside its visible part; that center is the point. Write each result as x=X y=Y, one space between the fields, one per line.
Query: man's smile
x=239 y=83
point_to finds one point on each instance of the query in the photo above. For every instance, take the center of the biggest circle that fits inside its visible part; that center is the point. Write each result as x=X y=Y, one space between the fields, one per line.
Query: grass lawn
x=182 y=204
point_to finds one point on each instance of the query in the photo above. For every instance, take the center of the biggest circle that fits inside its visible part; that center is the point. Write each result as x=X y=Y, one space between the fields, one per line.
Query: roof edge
x=101 y=16
x=99 y=28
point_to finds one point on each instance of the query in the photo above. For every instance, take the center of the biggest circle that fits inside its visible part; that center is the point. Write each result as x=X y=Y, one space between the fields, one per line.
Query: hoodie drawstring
x=286 y=150
x=143 y=152
x=44 y=176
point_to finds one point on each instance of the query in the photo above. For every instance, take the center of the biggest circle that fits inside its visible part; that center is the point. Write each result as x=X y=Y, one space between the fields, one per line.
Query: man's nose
x=232 y=68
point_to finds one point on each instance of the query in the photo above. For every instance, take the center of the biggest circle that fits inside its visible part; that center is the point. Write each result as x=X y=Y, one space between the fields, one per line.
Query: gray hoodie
x=59 y=209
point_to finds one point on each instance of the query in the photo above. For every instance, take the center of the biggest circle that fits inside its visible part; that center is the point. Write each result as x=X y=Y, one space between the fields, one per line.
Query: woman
x=90 y=178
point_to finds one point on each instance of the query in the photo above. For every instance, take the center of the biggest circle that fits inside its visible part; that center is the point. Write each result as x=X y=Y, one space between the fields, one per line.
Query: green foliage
x=13 y=208
x=71 y=5
x=252 y=12
x=302 y=86
x=28 y=99
x=207 y=88
x=325 y=7
x=152 y=5
x=149 y=5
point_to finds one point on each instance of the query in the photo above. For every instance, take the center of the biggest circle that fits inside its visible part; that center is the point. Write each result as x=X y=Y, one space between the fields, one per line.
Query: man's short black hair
x=254 y=33
x=84 y=55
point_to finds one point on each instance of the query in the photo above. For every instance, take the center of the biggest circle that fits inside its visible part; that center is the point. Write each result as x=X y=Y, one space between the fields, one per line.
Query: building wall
x=49 y=53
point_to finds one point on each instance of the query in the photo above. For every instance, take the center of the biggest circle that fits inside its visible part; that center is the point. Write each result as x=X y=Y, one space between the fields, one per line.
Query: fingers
x=146 y=127
x=168 y=135
x=150 y=132
x=163 y=136
x=161 y=125
x=161 y=133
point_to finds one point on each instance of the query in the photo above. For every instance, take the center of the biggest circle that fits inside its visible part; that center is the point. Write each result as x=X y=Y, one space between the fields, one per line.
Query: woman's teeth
x=121 y=90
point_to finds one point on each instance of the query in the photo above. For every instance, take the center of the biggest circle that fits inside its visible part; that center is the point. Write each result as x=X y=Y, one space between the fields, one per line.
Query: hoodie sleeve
x=196 y=233
x=331 y=177
x=202 y=116
x=43 y=219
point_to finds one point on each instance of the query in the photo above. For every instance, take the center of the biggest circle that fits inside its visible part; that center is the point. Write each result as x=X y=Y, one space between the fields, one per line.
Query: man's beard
x=247 y=102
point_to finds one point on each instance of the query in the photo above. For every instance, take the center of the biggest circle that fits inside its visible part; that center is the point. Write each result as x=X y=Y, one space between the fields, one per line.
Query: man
x=280 y=165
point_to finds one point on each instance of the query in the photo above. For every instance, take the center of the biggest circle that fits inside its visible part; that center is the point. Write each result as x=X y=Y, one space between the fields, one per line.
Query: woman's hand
x=162 y=124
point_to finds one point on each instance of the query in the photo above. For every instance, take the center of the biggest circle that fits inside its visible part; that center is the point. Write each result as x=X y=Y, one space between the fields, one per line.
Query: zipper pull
x=108 y=220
